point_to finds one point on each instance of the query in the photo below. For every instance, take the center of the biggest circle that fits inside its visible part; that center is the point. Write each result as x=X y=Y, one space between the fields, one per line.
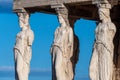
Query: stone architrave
x=101 y=65
x=22 y=48
x=112 y=2
x=62 y=48
x=100 y=1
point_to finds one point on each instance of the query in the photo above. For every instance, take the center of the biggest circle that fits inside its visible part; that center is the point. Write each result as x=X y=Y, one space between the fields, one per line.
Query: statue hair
x=64 y=13
x=24 y=18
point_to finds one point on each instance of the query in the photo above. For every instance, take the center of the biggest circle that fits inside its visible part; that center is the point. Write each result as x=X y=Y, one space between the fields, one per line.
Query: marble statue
x=22 y=48
x=101 y=65
x=62 y=50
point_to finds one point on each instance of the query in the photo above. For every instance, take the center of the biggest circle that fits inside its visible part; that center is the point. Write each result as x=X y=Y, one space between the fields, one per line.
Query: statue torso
x=105 y=33
x=61 y=37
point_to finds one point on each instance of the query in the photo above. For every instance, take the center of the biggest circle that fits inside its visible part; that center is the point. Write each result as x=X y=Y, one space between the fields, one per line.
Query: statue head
x=104 y=13
x=24 y=20
x=63 y=15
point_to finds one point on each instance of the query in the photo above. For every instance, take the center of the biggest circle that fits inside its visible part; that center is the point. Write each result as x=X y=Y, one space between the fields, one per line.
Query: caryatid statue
x=22 y=48
x=101 y=66
x=62 y=48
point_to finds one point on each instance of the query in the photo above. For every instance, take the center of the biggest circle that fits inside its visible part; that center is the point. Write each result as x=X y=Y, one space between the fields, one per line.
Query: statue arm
x=30 y=37
x=77 y=51
x=70 y=44
x=55 y=34
x=112 y=27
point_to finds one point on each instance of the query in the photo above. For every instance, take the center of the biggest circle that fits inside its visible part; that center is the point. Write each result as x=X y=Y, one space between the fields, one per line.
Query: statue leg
x=53 y=65
x=58 y=64
x=19 y=65
x=94 y=75
x=106 y=65
x=26 y=71
x=15 y=59
x=26 y=64
x=70 y=71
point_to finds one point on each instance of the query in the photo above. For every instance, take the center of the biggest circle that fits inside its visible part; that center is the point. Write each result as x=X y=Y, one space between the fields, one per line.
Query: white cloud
x=5 y=1
x=11 y=68
x=40 y=69
x=6 y=68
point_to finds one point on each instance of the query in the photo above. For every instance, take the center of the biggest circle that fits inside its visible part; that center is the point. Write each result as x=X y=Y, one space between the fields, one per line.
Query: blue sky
x=43 y=26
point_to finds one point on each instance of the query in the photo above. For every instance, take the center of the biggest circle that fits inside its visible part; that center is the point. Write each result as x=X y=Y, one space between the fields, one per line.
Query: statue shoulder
x=58 y=28
x=30 y=34
x=56 y=31
x=111 y=26
x=29 y=31
x=19 y=34
x=70 y=29
x=100 y=24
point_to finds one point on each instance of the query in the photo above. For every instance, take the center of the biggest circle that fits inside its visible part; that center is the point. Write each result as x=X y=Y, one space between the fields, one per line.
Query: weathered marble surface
x=22 y=48
x=101 y=66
